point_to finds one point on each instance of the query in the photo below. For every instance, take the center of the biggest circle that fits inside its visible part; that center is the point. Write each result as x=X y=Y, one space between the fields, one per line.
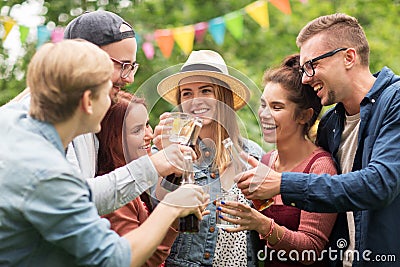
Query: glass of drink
x=171 y=182
x=182 y=124
x=220 y=222
x=190 y=223
x=241 y=166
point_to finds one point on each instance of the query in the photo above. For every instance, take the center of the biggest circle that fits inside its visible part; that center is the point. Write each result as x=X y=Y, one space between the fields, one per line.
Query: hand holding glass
x=220 y=216
x=241 y=166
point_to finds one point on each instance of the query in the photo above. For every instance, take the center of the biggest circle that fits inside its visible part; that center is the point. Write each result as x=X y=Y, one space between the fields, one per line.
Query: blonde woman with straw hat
x=204 y=88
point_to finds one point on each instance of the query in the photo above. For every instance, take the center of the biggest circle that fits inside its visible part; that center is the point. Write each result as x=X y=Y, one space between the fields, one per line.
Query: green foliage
x=258 y=50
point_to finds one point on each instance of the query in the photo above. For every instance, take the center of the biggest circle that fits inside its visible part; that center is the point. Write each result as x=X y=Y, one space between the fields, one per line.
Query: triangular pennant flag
x=259 y=12
x=184 y=37
x=138 y=38
x=8 y=25
x=234 y=24
x=282 y=5
x=148 y=50
x=200 y=30
x=43 y=35
x=217 y=29
x=165 y=41
x=57 y=35
x=23 y=33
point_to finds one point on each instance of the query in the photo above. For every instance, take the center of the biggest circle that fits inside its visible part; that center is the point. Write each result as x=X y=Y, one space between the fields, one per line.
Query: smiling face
x=137 y=132
x=278 y=115
x=124 y=51
x=329 y=80
x=197 y=97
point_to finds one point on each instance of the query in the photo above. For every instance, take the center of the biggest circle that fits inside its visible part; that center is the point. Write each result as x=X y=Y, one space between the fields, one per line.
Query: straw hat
x=204 y=63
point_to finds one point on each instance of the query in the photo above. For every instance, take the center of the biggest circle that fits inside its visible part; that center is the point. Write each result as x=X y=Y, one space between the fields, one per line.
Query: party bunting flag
x=234 y=24
x=200 y=30
x=43 y=35
x=57 y=35
x=148 y=50
x=165 y=41
x=23 y=33
x=138 y=39
x=259 y=12
x=184 y=37
x=8 y=25
x=282 y=5
x=217 y=29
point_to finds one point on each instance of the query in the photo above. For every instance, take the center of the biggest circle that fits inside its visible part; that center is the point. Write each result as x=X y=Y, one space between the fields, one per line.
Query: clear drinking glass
x=181 y=127
x=220 y=222
x=240 y=166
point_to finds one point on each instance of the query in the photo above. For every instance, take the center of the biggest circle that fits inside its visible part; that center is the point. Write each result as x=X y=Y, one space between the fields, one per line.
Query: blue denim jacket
x=198 y=249
x=46 y=215
x=372 y=189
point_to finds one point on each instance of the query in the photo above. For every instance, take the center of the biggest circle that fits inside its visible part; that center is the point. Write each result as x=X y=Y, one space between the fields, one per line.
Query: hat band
x=194 y=67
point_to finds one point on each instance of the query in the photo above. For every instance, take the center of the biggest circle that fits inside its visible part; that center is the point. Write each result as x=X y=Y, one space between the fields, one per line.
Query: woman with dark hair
x=126 y=135
x=288 y=110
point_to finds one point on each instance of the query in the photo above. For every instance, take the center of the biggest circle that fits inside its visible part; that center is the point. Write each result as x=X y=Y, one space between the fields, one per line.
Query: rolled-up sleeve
x=115 y=189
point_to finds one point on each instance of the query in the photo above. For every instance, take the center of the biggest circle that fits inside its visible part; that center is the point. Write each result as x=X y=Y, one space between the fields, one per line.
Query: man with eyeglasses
x=115 y=189
x=362 y=132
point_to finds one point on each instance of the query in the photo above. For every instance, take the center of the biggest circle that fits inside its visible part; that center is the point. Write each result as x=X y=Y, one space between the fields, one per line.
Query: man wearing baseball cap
x=115 y=189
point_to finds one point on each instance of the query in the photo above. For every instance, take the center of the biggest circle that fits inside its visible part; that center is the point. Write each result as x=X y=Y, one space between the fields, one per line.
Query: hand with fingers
x=170 y=160
x=248 y=218
x=162 y=131
x=244 y=216
x=188 y=199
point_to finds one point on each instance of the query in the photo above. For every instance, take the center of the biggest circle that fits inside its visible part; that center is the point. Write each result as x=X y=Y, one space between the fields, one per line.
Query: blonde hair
x=58 y=75
x=224 y=125
x=341 y=30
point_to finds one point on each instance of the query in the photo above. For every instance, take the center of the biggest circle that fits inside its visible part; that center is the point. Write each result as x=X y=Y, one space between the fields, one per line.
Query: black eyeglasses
x=308 y=67
x=126 y=68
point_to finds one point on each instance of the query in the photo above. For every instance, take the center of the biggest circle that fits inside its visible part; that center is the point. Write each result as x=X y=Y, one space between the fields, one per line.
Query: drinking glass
x=181 y=127
x=220 y=222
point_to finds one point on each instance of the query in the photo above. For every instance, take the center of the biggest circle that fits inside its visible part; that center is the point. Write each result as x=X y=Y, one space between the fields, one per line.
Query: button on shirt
x=46 y=216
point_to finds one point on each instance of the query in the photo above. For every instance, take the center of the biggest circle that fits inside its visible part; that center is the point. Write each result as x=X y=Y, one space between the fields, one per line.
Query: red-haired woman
x=126 y=135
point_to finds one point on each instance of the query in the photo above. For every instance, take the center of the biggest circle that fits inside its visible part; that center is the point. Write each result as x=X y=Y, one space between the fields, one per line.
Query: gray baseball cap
x=98 y=27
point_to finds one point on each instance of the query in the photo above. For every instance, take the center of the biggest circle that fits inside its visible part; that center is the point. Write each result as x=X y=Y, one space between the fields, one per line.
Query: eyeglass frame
x=302 y=70
x=133 y=67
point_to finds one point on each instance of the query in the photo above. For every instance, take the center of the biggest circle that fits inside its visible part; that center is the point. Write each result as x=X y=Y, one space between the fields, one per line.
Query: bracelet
x=271 y=230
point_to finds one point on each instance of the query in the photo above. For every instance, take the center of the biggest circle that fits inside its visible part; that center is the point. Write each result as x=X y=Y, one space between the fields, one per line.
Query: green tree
x=258 y=50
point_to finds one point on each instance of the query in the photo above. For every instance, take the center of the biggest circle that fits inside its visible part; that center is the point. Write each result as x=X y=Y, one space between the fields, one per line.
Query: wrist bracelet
x=271 y=230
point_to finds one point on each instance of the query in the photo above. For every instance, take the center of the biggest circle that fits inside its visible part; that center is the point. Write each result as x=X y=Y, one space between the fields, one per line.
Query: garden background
x=251 y=36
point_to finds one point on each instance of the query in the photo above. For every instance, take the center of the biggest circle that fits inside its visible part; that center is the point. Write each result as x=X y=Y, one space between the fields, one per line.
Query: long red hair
x=111 y=155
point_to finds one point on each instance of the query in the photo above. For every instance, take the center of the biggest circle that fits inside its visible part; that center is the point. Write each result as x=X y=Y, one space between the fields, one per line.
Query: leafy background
x=258 y=50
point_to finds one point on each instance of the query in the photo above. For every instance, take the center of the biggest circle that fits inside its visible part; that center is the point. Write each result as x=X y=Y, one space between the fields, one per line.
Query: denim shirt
x=46 y=214
x=372 y=189
x=198 y=249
